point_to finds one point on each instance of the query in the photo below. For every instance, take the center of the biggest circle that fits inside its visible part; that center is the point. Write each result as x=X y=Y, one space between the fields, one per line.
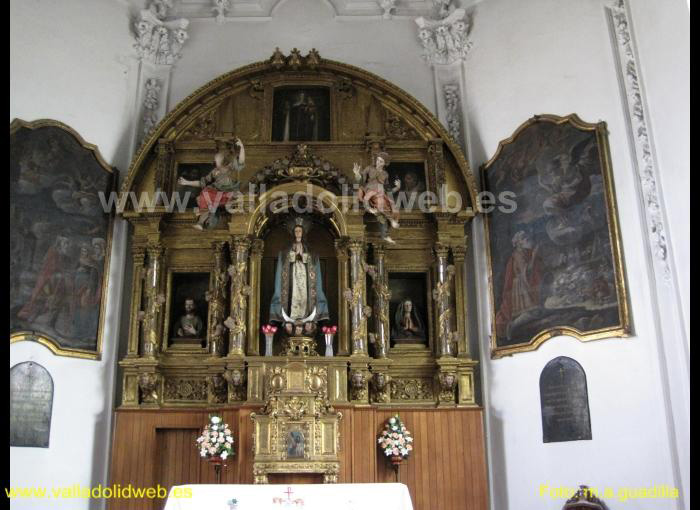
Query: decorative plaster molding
x=259 y=10
x=637 y=118
x=159 y=40
x=388 y=6
x=150 y=105
x=220 y=8
x=453 y=118
x=446 y=40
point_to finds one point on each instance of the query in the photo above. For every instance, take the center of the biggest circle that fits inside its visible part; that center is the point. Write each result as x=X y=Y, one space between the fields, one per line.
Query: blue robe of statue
x=298 y=287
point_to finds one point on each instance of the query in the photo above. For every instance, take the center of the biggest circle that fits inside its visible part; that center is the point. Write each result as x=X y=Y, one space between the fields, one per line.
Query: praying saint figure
x=408 y=327
x=219 y=185
x=189 y=325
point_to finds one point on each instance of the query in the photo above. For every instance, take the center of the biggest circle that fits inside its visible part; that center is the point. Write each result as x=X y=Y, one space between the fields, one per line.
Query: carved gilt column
x=356 y=298
x=441 y=295
x=217 y=301
x=341 y=251
x=458 y=255
x=138 y=256
x=239 y=296
x=256 y=252
x=151 y=315
x=382 y=295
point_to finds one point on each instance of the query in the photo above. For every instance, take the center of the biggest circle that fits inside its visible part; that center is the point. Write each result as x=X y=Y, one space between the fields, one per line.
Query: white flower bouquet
x=216 y=439
x=395 y=440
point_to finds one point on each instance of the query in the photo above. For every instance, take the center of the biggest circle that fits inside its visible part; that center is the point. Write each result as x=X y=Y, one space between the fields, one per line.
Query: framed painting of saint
x=555 y=255
x=408 y=309
x=187 y=310
x=296 y=444
x=60 y=238
x=413 y=183
x=301 y=114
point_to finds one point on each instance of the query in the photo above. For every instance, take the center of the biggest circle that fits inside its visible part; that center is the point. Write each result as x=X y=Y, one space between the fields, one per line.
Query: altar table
x=337 y=496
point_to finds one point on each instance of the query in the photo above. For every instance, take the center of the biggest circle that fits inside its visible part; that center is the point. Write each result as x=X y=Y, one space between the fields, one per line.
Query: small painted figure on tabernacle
x=373 y=194
x=219 y=185
x=189 y=325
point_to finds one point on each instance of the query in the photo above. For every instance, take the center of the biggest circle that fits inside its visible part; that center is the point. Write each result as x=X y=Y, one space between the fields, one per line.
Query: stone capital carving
x=159 y=40
x=445 y=40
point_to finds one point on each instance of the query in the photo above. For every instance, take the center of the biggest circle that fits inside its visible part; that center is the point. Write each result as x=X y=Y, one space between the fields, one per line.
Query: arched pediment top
x=285 y=198
x=366 y=113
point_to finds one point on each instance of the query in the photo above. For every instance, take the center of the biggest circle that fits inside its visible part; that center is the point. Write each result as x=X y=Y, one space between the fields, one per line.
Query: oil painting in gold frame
x=553 y=240
x=60 y=238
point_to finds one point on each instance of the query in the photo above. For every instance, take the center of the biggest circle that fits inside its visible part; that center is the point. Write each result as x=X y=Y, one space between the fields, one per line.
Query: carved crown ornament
x=302 y=165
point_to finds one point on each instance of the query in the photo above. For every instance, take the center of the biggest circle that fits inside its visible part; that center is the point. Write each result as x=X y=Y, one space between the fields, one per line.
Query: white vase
x=329 y=344
x=268 y=343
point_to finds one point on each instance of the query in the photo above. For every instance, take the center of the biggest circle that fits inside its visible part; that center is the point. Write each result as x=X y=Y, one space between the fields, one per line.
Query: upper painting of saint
x=60 y=237
x=301 y=114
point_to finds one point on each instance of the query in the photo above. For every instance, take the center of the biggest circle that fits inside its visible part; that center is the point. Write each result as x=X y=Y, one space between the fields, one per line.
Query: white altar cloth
x=337 y=496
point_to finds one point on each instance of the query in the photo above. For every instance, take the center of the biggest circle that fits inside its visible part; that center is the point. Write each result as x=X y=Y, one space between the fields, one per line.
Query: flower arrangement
x=395 y=440
x=331 y=330
x=269 y=328
x=216 y=439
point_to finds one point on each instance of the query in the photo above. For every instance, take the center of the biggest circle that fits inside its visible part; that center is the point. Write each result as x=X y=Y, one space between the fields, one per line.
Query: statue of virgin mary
x=298 y=296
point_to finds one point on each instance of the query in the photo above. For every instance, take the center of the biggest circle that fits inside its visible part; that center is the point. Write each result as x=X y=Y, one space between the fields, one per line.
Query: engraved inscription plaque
x=564 y=401
x=31 y=400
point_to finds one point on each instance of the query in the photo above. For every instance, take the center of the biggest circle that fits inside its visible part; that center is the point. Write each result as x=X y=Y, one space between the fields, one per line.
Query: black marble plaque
x=564 y=401
x=31 y=400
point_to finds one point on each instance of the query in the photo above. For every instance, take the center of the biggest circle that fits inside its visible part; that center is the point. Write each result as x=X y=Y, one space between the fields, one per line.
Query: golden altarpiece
x=230 y=264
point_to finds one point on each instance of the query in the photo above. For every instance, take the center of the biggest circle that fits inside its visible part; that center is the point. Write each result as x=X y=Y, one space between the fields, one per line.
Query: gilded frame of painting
x=623 y=328
x=45 y=340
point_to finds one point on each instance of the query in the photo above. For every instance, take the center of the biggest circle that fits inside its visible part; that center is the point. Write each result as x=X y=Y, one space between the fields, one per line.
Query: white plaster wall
x=546 y=56
x=66 y=64
x=385 y=47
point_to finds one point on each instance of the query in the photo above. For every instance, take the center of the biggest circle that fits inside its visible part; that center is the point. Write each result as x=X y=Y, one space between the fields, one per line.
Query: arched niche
x=366 y=114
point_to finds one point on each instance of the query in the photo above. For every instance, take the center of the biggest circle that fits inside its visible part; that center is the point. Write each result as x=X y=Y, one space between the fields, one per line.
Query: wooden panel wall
x=447 y=469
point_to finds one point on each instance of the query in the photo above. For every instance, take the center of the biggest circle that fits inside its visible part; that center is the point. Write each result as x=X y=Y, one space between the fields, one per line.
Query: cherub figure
x=373 y=194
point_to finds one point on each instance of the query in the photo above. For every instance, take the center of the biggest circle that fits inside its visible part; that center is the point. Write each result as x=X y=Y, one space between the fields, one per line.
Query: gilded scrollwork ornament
x=186 y=389
x=411 y=389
